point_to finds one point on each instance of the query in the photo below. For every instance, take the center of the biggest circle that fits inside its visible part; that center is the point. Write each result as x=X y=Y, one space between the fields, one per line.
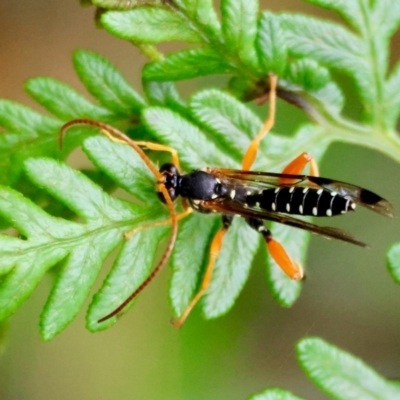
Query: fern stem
x=149 y=51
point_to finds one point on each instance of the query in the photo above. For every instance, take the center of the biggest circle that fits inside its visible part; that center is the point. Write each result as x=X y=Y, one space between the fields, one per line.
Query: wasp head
x=171 y=181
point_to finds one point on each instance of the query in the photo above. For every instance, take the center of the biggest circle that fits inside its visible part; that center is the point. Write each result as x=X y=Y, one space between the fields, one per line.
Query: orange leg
x=296 y=167
x=187 y=211
x=292 y=269
x=128 y=235
x=298 y=164
x=278 y=253
x=251 y=152
x=215 y=248
x=161 y=147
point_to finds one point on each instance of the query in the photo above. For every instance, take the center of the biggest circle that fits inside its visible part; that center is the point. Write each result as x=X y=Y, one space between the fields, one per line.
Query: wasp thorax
x=200 y=185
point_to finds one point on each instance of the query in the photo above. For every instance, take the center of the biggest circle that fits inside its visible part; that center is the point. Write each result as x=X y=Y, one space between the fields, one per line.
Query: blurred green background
x=348 y=299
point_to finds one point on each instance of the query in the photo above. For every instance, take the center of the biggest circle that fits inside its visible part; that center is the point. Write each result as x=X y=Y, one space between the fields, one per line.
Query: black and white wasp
x=270 y=196
x=253 y=195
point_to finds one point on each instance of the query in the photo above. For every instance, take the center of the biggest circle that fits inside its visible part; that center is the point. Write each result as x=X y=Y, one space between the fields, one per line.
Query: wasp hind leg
x=215 y=248
x=292 y=269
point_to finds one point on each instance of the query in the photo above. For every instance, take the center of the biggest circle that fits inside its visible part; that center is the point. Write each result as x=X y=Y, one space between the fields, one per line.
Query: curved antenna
x=114 y=132
x=161 y=263
x=160 y=186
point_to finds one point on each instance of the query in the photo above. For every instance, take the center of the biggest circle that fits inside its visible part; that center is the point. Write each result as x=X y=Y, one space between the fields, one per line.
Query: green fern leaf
x=274 y=394
x=10 y=161
x=164 y=94
x=341 y=375
x=29 y=133
x=63 y=101
x=392 y=98
x=193 y=146
x=22 y=120
x=325 y=42
x=271 y=45
x=203 y=13
x=106 y=84
x=122 y=165
x=32 y=134
x=149 y=25
x=226 y=118
x=239 y=29
x=393 y=261
x=187 y=64
x=133 y=265
x=351 y=10
x=125 y=4
x=50 y=240
x=385 y=17
x=308 y=74
x=364 y=57
x=330 y=45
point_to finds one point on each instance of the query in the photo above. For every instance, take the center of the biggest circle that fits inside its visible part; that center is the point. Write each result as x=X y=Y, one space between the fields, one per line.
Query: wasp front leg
x=215 y=248
x=292 y=269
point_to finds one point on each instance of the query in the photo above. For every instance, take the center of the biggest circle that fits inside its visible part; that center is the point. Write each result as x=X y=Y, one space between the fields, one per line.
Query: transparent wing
x=357 y=194
x=228 y=206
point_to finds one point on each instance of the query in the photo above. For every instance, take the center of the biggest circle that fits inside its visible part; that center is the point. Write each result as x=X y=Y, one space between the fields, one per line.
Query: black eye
x=169 y=168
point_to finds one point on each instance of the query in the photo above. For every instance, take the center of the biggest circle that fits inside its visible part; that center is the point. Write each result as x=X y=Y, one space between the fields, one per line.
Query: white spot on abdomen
x=315 y=211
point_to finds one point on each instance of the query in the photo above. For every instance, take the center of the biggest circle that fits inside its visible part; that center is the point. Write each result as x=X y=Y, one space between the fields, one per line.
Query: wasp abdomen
x=302 y=201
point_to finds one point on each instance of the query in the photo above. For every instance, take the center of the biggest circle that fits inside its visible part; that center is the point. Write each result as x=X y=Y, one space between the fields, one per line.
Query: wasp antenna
x=80 y=121
x=162 y=262
x=111 y=131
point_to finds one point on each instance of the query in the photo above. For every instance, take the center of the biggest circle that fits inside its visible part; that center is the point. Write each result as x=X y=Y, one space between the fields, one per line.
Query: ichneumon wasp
x=253 y=195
